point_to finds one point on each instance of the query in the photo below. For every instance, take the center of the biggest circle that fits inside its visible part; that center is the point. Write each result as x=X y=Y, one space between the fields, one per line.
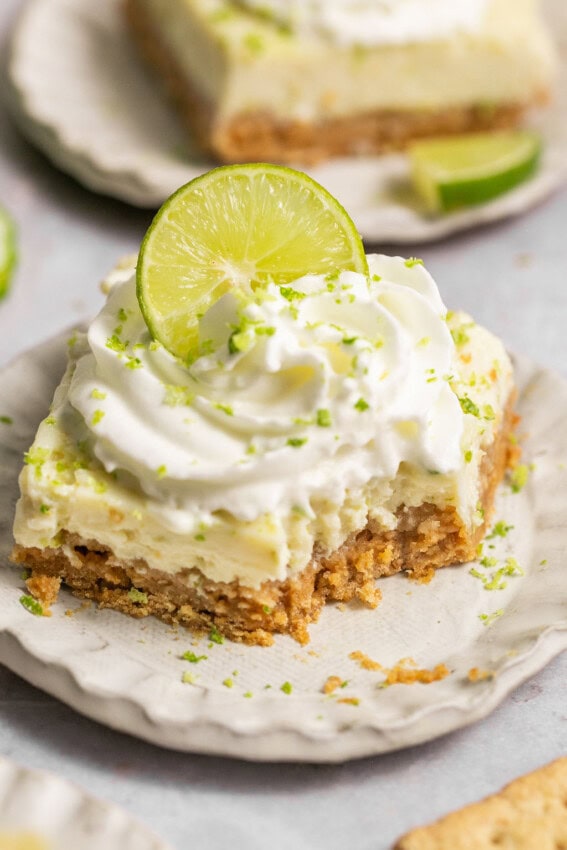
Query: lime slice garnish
x=7 y=251
x=466 y=170
x=237 y=226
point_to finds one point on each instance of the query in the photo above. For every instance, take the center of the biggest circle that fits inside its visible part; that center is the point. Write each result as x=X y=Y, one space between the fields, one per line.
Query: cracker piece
x=528 y=814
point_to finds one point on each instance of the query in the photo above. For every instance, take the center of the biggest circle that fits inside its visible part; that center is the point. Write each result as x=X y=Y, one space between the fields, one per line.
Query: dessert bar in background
x=286 y=81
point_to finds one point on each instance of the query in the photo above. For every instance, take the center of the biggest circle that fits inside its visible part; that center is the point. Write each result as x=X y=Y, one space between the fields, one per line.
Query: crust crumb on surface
x=364 y=661
x=477 y=675
x=400 y=674
x=528 y=814
x=331 y=685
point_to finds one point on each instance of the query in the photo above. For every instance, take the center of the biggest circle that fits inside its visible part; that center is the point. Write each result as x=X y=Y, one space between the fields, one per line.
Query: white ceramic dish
x=128 y=673
x=82 y=96
x=63 y=815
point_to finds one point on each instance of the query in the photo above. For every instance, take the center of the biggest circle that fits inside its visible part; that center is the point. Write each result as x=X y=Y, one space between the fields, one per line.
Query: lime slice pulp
x=7 y=251
x=237 y=226
x=465 y=170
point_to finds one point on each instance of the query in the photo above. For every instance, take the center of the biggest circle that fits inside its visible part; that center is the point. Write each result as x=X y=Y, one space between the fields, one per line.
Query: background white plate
x=81 y=94
x=127 y=673
x=64 y=815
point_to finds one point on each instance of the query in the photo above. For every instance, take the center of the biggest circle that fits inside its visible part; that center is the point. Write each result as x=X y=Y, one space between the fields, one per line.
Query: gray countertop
x=513 y=278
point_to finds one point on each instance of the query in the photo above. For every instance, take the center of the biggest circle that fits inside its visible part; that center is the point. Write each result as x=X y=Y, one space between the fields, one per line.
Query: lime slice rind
x=238 y=225
x=457 y=172
x=8 y=252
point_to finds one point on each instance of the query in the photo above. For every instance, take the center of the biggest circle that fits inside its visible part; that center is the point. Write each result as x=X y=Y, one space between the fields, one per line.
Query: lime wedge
x=7 y=251
x=465 y=170
x=237 y=226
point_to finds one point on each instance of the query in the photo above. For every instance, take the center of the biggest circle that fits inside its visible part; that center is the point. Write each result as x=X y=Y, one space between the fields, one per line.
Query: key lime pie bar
x=301 y=80
x=300 y=420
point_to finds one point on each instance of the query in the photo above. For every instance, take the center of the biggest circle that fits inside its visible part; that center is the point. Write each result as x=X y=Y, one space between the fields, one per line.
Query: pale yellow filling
x=241 y=63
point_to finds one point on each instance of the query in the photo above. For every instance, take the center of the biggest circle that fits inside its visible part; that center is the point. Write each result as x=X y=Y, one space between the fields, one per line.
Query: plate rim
x=17 y=771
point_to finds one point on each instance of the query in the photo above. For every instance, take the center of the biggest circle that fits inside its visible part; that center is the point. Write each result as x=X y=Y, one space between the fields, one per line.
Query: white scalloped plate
x=128 y=673
x=82 y=96
x=63 y=815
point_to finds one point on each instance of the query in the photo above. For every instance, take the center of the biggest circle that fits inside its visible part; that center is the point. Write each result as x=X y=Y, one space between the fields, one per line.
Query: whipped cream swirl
x=297 y=394
x=373 y=22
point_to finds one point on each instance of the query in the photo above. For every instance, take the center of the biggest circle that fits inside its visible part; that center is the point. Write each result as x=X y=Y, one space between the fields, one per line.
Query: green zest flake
x=361 y=405
x=200 y=537
x=100 y=487
x=98 y=415
x=425 y=340
x=349 y=340
x=239 y=341
x=500 y=530
x=286 y=688
x=513 y=568
x=44 y=509
x=265 y=330
x=122 y=315
x=324 y=418
x=6 y=420
x=468 y=406
x=177 y=396
x=266 y=609
x=228 y=683
x=488 y=561
x=137 y=596
x=488 y=412
x=133 y=363
x=188 y=678
x=488 y=619
x=118 y=330
x=98 y=394
x=468 y=456
x=215 y=636
x=51 y=420
x=192 y=658
x=161 y=471
x=36 y=458
x=519 y=477
x=32 y=605
x=248 y=695
x=376 y=278
x=460 y=336
x=254 y=43
x=296 y=442
x=226 y=408
x=116 y=344
x=413 y=261
x=543 y=563
x=291 y=294
x=71 y=342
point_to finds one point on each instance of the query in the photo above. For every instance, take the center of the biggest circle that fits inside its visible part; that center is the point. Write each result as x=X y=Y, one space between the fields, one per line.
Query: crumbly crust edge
x=426 y=538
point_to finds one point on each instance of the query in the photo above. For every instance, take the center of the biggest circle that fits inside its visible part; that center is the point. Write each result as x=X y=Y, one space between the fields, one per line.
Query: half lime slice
x=237 y=226
x=466 y=170
x=7 y=251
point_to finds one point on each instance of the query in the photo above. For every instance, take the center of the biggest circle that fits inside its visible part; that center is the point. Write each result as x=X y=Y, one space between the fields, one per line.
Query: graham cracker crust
x=259 y=136
x=426 y=538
